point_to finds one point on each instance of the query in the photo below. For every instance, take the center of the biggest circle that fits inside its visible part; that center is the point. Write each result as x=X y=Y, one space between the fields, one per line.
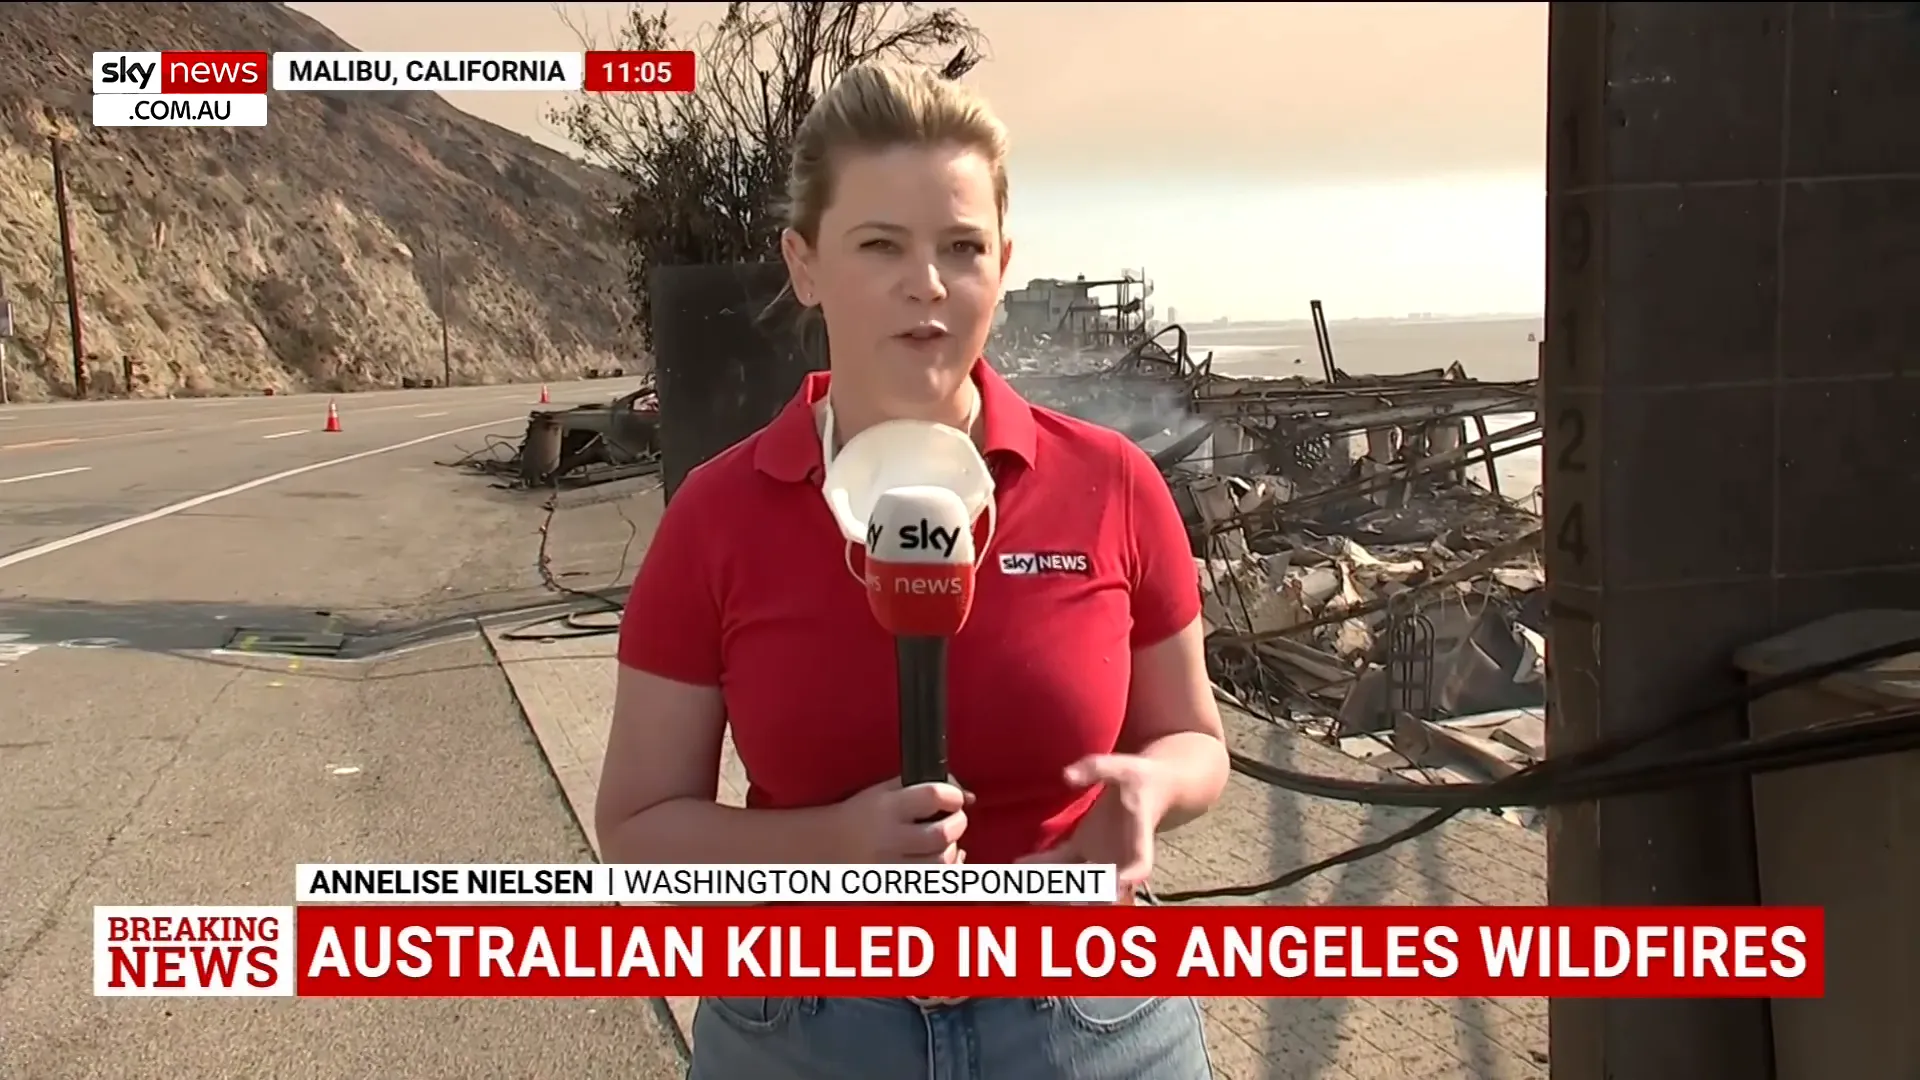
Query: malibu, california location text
x=532 y=72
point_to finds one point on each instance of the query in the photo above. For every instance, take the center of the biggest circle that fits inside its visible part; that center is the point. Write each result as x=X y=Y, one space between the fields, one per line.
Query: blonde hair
x=879 y=106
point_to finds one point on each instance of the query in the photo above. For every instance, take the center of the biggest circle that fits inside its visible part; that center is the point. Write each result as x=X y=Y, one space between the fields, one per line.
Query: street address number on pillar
x=1570 y=535
x=1571 y=395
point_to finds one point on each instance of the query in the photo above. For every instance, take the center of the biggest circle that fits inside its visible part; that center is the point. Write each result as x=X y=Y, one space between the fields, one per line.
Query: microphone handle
x=922 y=663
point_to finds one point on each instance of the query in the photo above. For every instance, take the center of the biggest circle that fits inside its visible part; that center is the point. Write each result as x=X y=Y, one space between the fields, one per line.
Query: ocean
x=1495 y=348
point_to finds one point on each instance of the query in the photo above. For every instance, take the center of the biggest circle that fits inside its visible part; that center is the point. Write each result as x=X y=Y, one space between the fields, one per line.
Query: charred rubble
x=1365 y=578
x=579 y=446
x=1366 y=581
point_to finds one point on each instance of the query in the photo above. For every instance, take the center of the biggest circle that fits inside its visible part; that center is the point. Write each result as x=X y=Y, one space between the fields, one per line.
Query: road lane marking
x=267 y=419
x=478 y=402
x=112 y=527
x=285 y=434
x=428 y=415
x=43 y=443
x=15 y=647
x=45 y=475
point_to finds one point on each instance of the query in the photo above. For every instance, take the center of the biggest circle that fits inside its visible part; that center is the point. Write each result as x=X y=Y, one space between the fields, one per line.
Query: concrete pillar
x=1237 y=453
x=1732 y=403
x=1840 y=838
x=1382 y=444
x=1445 y=436
x=726 y=357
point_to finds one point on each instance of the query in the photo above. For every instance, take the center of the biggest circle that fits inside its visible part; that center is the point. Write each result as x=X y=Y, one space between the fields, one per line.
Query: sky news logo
x=201 y=73
x=180 y=89
x=180 y=110
x=1045 y=562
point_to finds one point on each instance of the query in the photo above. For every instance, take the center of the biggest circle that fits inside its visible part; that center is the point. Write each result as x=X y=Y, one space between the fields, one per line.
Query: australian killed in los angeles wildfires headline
x=873 y=931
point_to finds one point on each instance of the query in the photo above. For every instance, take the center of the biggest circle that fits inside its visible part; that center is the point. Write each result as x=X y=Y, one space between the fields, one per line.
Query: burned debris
x=583 y=445
x=1365 y=578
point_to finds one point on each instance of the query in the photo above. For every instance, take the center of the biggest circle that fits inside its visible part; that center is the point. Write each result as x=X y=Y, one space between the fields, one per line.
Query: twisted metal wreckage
x=1358 y=585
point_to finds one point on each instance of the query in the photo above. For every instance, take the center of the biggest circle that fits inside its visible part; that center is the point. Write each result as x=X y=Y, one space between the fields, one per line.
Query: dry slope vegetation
x=305 y=255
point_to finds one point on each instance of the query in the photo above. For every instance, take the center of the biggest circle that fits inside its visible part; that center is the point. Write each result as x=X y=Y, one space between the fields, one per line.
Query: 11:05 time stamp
x=639 y=72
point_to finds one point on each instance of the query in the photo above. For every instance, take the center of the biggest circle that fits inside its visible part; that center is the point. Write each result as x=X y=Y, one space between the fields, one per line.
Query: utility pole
x=66 y=259
x=6 y=331
x=446 y=348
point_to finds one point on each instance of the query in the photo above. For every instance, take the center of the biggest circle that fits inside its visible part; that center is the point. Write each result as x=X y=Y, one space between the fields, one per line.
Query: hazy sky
x=1384 y=158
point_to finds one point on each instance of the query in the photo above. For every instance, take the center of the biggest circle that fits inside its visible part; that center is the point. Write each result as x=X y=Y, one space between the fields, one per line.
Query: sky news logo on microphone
x=918 y=558
x=920 y=599
x=920 y=562
x=916 y=579
x=923 y=538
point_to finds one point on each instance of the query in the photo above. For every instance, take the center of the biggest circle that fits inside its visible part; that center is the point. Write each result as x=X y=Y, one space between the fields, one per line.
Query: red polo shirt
x=744 y=587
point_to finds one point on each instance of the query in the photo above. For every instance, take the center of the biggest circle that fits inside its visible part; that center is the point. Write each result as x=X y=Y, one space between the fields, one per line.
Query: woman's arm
x=1172 y=718
x=659 y=787
x=1171 y=714
x=659 y=782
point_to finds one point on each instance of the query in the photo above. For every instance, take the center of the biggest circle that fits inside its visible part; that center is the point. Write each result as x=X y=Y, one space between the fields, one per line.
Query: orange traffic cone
x=544 y=399
x=333 y=418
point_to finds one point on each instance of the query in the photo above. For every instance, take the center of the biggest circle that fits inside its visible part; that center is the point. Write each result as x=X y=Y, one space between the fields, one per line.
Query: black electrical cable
x=1515 y=789
x=1886 y=733
x=573 y=623
x=1866 y=736
x=1552 y=768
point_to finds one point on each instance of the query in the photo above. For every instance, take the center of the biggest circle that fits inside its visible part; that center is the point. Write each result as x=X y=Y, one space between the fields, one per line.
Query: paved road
x=140 y=767
x=66 y=468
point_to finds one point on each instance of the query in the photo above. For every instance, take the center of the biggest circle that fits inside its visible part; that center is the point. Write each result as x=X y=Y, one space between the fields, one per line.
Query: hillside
x=302 y=256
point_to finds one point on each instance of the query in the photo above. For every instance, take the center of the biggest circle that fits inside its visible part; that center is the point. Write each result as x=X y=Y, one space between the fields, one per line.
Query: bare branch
x=706 y=171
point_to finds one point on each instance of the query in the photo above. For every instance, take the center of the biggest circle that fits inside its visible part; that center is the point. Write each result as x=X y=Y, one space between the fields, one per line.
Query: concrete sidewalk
x=566 y=690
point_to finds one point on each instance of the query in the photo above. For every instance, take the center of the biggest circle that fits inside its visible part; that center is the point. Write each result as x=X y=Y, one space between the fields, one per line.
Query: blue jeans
x=807 y=1038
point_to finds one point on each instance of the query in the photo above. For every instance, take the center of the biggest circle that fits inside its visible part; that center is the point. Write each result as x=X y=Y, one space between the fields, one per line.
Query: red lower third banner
x=421 y=951
x=1034 y=952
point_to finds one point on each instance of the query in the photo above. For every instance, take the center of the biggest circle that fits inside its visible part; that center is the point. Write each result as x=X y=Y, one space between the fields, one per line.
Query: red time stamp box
x=639 y=72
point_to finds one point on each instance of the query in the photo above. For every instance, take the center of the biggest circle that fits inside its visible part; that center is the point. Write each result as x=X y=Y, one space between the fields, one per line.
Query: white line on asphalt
x=45 y=475
x=285 y=434
x=476 y=402
x=429 y=415
x=112 y=527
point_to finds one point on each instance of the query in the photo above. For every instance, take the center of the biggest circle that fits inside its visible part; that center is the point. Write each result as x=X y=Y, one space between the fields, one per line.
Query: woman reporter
x=1082 y=720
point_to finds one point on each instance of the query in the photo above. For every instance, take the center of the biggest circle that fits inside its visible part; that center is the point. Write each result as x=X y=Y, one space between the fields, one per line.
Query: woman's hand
x=888 y=823
x=1119 y=827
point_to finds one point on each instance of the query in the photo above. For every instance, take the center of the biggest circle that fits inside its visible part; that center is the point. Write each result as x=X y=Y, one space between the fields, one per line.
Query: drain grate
x=286 y=642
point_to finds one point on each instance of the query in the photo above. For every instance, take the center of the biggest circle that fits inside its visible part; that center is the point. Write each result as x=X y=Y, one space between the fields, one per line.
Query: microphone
x=920 y=587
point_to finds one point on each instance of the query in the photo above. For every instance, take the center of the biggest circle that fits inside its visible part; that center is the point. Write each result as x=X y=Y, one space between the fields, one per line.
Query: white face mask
x=897 y=454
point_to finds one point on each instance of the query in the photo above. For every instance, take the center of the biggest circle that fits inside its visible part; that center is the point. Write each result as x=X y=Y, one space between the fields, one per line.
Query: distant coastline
x=1490 y=347
x=1376 y=320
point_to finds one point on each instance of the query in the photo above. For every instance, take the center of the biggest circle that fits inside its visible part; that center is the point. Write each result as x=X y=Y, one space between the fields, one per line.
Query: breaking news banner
x=958 y=950
x=193 y=952
x=332 y=883
x=180 y=89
